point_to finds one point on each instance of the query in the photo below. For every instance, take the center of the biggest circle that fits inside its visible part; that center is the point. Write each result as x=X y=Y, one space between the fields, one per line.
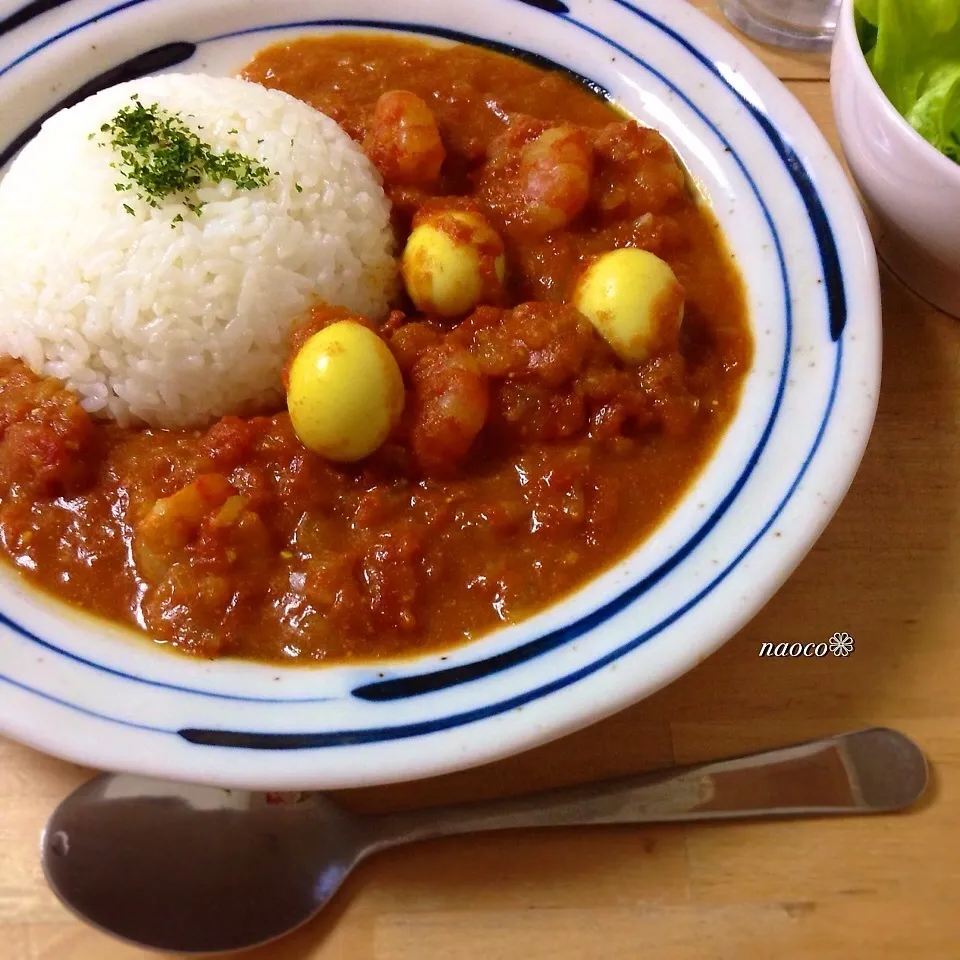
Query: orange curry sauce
x=236 y=540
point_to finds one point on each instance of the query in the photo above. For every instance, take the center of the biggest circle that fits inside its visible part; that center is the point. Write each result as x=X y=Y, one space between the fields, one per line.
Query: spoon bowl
x=197 y=869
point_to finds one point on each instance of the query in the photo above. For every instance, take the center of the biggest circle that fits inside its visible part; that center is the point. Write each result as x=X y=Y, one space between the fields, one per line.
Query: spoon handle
x=868 y=771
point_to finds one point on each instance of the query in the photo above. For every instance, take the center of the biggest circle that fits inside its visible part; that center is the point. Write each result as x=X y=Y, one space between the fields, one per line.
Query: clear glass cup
x=796 y=24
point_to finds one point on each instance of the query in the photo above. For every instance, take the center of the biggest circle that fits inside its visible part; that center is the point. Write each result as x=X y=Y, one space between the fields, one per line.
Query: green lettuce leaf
x=936 y=114
x=913 y=50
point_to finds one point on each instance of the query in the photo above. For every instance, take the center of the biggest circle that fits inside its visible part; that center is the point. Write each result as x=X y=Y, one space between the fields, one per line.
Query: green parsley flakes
x=161 y=157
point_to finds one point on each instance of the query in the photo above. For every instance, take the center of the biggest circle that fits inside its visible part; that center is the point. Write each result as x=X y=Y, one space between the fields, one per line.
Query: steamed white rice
x=173 y=324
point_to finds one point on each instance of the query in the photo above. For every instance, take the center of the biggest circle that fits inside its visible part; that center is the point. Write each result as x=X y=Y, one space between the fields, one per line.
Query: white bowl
x=89 y=692
x=913 y=189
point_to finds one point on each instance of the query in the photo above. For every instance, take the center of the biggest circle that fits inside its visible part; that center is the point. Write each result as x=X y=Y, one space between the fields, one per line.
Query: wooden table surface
x=886 y=571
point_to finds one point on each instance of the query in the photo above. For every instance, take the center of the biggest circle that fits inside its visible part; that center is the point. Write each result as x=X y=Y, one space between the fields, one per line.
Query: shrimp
x=555 y=173
x=404 y=143
x=173 y=522
x=637 y=172
x=451 y=402
x=205 y=557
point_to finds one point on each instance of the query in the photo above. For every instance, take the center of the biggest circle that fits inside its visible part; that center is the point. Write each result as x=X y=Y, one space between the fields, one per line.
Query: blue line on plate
x=73 y=28
x=551 y=6
x=72 y=706
x=28 y=12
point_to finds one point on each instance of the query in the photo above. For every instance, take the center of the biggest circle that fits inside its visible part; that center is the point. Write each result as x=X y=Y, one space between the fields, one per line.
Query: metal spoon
x=195 y=869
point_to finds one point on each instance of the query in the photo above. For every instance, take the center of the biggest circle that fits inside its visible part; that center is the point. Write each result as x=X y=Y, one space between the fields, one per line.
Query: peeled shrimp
x=404 y=143
x=174 y=521
x=555 y=173
x=451 y=402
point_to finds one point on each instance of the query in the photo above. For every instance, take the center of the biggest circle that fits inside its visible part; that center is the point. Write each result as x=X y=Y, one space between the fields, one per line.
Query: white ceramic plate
x=86 y=691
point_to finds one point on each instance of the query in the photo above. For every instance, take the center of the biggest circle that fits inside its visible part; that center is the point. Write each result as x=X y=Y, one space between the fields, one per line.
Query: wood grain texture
x=886 y=571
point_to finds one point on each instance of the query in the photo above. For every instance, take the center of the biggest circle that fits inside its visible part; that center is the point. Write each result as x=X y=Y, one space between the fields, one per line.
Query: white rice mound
x=174 y=324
